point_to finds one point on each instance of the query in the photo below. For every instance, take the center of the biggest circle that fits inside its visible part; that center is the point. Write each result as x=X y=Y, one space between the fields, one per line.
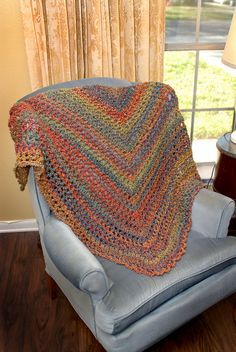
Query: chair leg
x=53 y=288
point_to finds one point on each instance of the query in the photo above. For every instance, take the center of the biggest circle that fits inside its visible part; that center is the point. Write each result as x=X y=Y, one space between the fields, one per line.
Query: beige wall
x=14 y=83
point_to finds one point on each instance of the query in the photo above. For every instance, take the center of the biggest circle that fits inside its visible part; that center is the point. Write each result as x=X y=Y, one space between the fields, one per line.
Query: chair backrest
x=40 y=206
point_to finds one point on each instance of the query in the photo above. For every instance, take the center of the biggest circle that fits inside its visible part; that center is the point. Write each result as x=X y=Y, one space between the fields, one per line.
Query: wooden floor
x=31 y=322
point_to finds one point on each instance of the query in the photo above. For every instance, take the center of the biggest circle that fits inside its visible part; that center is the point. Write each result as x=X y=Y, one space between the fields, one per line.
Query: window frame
x=197 y=47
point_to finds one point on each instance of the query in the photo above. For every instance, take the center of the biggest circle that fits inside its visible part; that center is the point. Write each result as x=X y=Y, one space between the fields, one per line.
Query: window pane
x=216 y=17
x=187 y=121
x=179 y=73
x=181 y=21
x=212 y=124
x=216 y=82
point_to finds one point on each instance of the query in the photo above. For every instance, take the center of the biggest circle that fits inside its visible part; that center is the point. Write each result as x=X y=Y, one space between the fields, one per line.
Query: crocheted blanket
x=115 y=164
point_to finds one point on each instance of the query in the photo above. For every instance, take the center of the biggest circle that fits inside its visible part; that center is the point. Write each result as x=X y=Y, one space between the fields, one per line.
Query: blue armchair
x=127 y=311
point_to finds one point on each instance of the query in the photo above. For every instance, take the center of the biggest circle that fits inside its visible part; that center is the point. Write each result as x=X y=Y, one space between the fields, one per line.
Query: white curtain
x=73 y=39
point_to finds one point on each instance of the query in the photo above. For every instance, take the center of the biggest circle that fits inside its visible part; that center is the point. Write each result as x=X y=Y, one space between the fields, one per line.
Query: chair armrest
x=74 y=260
x=211 y=213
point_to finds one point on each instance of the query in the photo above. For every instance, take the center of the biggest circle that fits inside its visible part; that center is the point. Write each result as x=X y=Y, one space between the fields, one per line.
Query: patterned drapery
x=73 y=39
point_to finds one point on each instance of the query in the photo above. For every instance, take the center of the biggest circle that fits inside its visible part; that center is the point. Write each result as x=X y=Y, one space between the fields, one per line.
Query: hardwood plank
x=7 y=250
x=31 y=322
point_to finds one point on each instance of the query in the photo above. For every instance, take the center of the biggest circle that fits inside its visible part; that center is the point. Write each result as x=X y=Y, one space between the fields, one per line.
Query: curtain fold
x=73 y=39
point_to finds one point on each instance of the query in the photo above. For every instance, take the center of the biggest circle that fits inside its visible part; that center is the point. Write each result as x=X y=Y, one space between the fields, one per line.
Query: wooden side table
x=225 y=173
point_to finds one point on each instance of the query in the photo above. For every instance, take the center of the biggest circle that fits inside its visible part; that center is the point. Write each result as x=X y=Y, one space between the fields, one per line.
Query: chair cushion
x=133 y=295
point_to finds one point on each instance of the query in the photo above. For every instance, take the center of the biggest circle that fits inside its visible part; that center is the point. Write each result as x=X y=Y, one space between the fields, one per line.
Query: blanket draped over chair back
x=115 y=164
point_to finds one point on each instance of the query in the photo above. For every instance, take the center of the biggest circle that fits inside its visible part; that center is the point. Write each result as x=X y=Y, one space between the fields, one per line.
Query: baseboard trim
x=18 y=226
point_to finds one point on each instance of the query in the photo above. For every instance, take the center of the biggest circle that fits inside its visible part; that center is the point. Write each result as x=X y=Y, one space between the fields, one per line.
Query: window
x=196 y=31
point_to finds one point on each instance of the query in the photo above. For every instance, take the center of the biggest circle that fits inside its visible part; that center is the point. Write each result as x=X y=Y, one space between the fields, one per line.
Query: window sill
x=205 y=155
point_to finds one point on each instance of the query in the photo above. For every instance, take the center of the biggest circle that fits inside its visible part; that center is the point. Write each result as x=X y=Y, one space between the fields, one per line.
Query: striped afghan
x=115 y=164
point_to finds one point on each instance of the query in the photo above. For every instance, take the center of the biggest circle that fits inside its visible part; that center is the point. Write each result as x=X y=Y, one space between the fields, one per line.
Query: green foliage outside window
x=216 y=89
